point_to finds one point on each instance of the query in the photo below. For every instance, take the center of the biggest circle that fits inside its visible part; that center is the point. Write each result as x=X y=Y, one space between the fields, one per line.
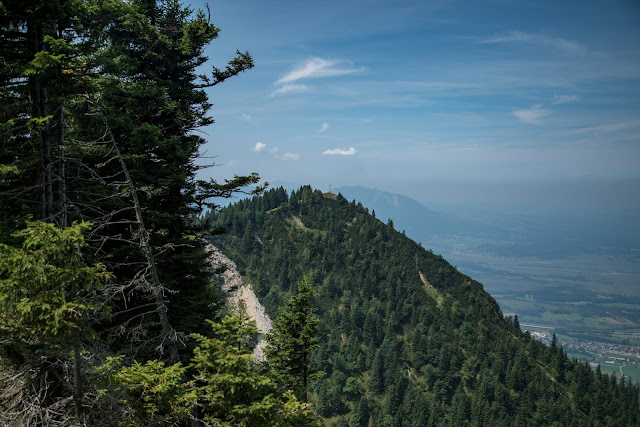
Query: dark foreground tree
x=47 y=301
x=233 y=389
x=100 y=101
x=137 y=124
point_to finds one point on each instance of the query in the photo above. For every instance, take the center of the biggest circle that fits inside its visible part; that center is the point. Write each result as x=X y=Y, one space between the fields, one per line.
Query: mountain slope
x=406 y=339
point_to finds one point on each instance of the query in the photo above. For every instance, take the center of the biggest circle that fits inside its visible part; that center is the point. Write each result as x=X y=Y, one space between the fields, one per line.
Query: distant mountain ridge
x=505 y=234
x=419 y=222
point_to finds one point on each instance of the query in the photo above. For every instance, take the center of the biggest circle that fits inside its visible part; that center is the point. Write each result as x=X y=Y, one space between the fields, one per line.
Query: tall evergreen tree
x=136 y=123
x=228 y=388
x=40 y=43
x=293 y=338
x=110 y=76
x=100 y=101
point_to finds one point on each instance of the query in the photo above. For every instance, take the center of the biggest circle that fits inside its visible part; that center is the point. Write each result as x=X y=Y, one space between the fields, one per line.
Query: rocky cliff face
x=240 y=298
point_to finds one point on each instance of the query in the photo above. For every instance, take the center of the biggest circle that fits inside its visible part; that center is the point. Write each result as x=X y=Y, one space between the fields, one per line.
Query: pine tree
x=376 y=378
x=293 y=338
x=40 y=75
x=100 y=101
x=47 y=300
x=231 y=388
x=228 y=386
x=149 y=393
x=136 y=122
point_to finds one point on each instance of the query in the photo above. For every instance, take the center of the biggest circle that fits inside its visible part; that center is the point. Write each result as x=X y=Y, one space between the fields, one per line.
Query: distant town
x=623 y=360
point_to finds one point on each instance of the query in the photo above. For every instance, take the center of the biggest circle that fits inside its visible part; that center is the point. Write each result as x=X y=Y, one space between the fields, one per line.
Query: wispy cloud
x=259 y=147
x=290 y=156
x=289 y=89
x=567 y=46
x=341 y=152
x=531 y=115
x=611 y=127
x=564 y=99
x=310 y=69
x=445 y=85
x=247 y=117
x=318 y=67
x=324 y=127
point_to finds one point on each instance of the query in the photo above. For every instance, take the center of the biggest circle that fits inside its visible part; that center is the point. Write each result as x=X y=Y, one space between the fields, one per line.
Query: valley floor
x=591 y=300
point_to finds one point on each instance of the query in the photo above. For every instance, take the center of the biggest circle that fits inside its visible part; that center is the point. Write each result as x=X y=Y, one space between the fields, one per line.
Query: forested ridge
x=405 y=339
x=110 y=314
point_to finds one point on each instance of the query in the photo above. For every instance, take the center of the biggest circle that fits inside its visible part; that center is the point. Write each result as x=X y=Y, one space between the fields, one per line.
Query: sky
x=498 y=104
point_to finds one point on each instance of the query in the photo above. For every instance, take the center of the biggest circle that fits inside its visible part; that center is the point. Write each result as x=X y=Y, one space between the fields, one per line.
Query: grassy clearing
x=633 y=372
x=590 y=321
x=433 y=292
x=610 y=369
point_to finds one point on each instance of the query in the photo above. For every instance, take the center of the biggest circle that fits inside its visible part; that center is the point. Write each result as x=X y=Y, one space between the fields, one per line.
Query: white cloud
x=290 y=156
x=259 y=147
x=324 y=127
x=317 y=67
x=342 y=152
x=247 y=117
x=568 y=46
x=564 y=99
x=531 y=115
x=289 y=89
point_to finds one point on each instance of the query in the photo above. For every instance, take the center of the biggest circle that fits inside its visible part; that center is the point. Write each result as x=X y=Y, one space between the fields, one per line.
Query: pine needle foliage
x=46 y=287
x=292 y=340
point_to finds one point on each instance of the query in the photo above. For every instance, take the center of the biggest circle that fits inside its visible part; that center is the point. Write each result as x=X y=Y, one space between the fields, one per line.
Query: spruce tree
x=48 y=295
x=136 y=123
x=41 y=42
x=232 y=389
x=100 y=101
x=292 y=340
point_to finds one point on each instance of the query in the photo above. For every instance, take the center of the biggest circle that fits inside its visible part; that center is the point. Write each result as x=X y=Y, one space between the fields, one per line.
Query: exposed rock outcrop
x=240 y=297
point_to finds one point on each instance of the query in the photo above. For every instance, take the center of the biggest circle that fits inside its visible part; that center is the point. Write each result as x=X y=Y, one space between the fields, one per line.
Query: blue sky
x=503 y=103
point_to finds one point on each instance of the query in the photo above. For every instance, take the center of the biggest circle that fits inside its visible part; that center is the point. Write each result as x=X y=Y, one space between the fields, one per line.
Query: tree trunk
x=40 y=109
x=77 y=373
x=64 y=221
x=168 y=332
